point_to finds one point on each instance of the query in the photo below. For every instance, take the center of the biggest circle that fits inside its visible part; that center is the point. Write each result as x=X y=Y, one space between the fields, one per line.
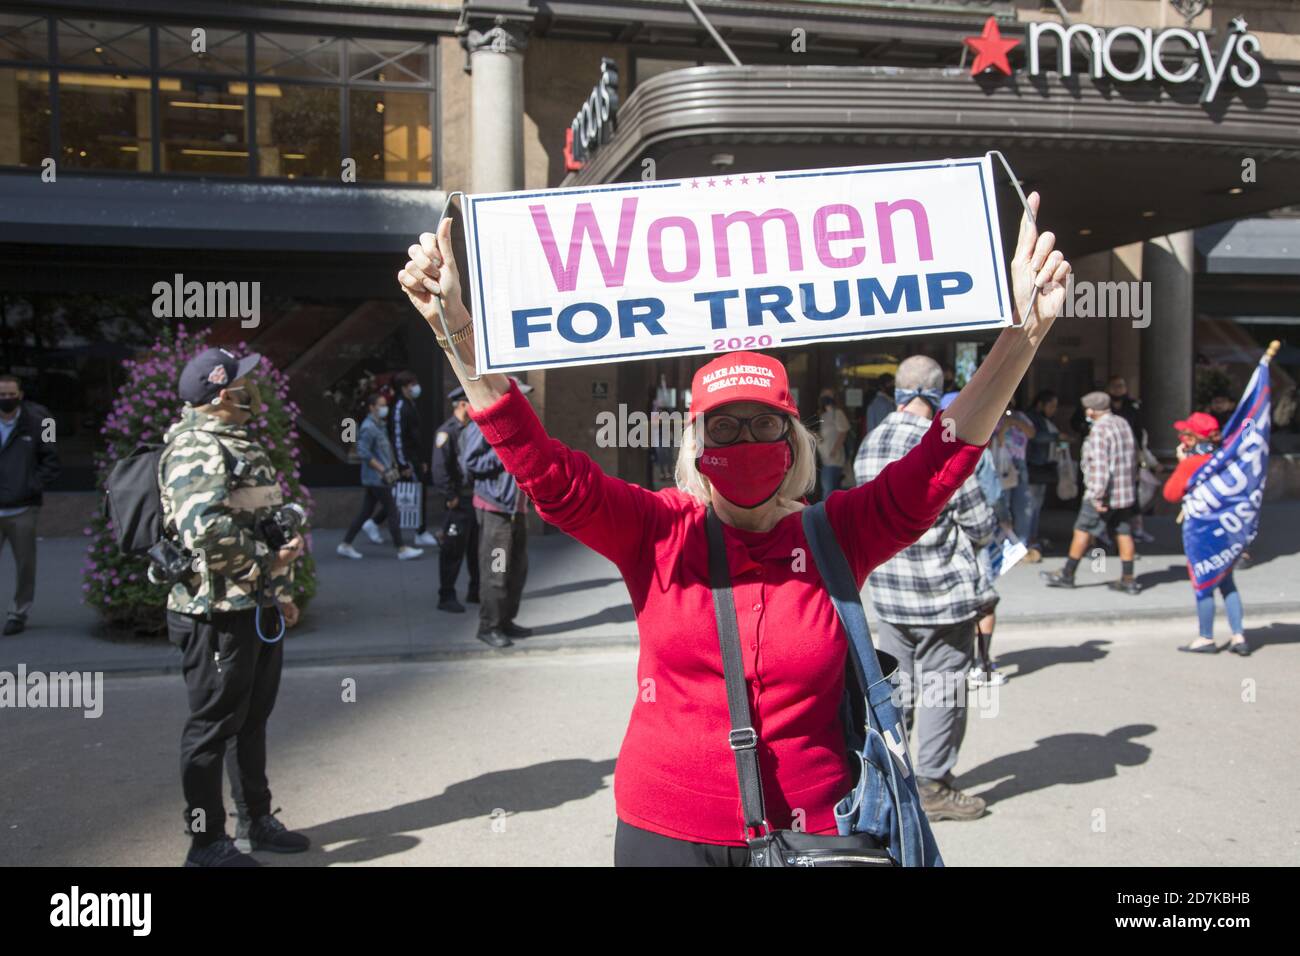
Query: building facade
x=300 y=146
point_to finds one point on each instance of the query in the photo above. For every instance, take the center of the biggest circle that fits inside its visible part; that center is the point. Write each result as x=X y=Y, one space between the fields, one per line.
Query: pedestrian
x=500 y=508
x=1041 y=463
x=832 y=434
x=408 y=449
x=1012 y=438
x=882 y=403
x=747 y=462
x=217 y=489
x=459 y=526
x=378 y=475
x=930 y=596
x=1109 y=460
x=29 y=464
x=1198 y=437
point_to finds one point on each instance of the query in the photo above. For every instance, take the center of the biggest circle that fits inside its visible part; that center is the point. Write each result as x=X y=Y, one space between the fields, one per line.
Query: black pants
x=502 y=566
x=232 y=677
x=377 y=496
x=459 y=541
x=636 y=847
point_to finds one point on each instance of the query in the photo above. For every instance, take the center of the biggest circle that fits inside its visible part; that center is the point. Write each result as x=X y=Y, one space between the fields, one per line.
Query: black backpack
x=133 y=501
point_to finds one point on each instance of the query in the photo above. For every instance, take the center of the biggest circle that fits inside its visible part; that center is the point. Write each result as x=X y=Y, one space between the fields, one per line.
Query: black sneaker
x=452 y=605
x=220 y=852
x=1057 y=579
x=515 y=630
x=471 y=597
x=1130 y=586
x=494 y=638
x=268 y=833
x=942 y=802
x=15 y=625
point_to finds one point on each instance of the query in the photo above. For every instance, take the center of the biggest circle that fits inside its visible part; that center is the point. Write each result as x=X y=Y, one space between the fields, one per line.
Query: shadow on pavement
x=618 y=614
x=1174 y=572
x=1032 y=659
x=1275 y=633
x=569 y=588
x=380 y=833
x=1060 y=759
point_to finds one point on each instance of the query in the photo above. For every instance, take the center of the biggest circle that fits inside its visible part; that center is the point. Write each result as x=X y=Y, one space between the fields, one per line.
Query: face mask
x=415 y=391
x=747 y=473
x=382 y=411
x=827 y=402
x=7 y=405
x=254 y=405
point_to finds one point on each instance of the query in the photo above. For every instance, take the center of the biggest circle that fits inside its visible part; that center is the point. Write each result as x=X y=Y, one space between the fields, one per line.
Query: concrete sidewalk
x=383 y=609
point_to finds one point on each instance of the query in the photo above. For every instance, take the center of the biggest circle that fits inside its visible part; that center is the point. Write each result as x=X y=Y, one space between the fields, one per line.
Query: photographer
x=220 y=499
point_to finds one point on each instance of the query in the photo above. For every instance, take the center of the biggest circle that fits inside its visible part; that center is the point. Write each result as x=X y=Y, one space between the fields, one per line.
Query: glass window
x=297 y=55
x=203 y=126
x=392 y=138
x=388 y=61
x=104 y=121
x=24 y=37
x=24 y=116
x=224 y=51
x=105 y=43
x=298 y=135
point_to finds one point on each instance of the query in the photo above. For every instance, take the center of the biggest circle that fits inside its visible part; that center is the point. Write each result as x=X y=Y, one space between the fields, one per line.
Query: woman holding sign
x=746 y=456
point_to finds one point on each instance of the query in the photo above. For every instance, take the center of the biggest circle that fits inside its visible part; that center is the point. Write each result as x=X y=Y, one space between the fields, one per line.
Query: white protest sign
x=743 y=261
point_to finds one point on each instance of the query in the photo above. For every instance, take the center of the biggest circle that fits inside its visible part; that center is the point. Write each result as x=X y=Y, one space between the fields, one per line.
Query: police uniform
x=216 y=485
x=459 y=528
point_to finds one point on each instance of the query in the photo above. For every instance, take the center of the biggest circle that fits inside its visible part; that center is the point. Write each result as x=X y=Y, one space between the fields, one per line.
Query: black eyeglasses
x=726 y=429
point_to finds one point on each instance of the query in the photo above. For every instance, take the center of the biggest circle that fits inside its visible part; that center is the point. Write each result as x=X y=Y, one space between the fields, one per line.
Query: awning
x=1252 y=246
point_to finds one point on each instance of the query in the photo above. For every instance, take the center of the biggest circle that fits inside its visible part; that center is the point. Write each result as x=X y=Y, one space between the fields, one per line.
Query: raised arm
x=979 y=407
x=611 y=516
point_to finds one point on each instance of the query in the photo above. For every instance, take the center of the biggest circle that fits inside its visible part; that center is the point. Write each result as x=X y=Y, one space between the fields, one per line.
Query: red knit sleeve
x=611 y=516
x=1176 y=484
x=881 y=517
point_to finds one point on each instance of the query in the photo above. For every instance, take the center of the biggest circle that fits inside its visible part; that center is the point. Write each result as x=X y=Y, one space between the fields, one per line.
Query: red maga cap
x=1200 y=424
x=741 y=377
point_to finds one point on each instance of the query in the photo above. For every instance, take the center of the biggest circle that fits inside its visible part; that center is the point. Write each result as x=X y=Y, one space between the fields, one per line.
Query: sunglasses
x=764 y=427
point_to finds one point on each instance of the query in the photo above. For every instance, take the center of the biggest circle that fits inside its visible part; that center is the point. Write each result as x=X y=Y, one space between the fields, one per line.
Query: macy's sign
x=1237 y=58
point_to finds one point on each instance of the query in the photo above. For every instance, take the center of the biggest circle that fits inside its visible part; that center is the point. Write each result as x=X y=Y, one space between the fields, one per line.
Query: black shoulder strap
x=743 y=738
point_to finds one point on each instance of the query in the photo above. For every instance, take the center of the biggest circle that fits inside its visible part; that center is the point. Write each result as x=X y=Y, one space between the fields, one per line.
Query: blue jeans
x=1231 y=602
x=1036 y=495
x=831 y=475
x=1022 y=514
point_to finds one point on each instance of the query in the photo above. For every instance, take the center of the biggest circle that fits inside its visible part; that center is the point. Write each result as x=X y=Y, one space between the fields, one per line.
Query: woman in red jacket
x=745 y=453
x=1198 y=437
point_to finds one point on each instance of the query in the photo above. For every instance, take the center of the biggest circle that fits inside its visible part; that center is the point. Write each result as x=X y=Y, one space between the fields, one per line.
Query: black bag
x=766 y=846
x=132 y=501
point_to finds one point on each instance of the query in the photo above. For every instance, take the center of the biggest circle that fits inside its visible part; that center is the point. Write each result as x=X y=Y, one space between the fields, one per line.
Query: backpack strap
x=743 y=739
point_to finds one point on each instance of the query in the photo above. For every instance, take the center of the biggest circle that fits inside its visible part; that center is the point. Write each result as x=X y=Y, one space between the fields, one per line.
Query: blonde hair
x=799 y=480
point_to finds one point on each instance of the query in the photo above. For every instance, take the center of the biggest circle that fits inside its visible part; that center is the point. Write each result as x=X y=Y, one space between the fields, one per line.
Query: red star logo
x=990 y=49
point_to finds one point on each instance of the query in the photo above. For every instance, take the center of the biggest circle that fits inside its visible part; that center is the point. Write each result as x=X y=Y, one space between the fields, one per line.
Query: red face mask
x=747 y=473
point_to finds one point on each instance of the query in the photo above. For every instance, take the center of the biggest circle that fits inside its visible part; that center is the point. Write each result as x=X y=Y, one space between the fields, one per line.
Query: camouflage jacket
x=214 y=513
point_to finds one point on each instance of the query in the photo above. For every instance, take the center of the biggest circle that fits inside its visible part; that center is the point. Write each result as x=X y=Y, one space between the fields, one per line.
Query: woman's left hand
x=1037 y=262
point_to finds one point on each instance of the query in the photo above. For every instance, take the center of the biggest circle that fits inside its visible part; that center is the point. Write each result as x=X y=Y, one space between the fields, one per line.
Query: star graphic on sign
x=990 y=49
x=712 y=182
x=727 y=181
x=762 y=179
x=695 y=184
x=1238 y=24
x=744 y=180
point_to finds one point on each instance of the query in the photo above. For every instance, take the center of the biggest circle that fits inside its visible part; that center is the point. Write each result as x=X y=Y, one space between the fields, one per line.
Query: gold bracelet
x=460 y=335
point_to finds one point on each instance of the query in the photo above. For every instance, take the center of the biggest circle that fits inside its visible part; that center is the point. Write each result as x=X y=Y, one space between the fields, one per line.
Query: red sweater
x=676 y=775
x=1176 y=484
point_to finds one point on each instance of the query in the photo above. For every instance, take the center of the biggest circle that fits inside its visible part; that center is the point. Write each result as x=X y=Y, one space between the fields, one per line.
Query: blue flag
x=1223 y=499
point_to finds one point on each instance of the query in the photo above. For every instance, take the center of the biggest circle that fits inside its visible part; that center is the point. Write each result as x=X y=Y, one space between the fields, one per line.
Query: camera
x=168 y=563
x=282 y=525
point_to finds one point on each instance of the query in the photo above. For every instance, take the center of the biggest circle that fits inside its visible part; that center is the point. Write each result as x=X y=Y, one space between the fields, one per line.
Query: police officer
x=217 y=486
x=459 y=528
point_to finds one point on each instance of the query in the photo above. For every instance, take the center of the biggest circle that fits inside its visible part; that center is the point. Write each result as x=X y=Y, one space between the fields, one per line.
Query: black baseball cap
x=212 y=370
x=457 y=394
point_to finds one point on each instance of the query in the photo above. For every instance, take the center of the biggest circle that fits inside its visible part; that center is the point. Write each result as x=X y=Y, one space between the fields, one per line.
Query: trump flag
x=1222 y=503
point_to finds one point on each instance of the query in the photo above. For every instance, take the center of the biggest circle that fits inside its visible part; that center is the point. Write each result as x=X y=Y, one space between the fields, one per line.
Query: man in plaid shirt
x=1109 y=495
x=926 y=597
